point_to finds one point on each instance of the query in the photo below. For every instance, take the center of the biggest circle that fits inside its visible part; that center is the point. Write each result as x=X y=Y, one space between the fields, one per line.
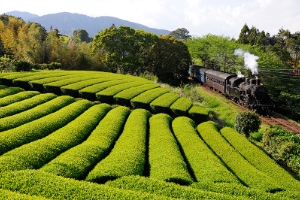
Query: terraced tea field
x=96 y=135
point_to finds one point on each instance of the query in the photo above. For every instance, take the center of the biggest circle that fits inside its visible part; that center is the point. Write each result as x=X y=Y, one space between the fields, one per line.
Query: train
x=249 y=93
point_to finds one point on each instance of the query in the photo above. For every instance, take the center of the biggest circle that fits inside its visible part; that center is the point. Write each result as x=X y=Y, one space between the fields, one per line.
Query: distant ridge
x=24 y=15
x=66 y=22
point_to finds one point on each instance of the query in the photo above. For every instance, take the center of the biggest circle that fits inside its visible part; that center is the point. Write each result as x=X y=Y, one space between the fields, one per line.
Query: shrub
x=128 y=156
x=143 y=100
x=165 y=159
x=41 y=127
x=32 y=182
x=246 y=122
x=198 y=114
x=22 y=65
x=106 y=95
x=162 y=104
x=38 y=85
x=283 y=146
x=181 y=106
x=79 y=160
x=10 y=91
x=35 y=113
x=37 y=153
x=246 y=172
x=259 y=159
x=4 y=101
x=26 y=104
x=124 y=97
x=206 y=166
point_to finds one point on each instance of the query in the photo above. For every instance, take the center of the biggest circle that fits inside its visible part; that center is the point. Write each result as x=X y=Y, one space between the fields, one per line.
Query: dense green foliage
x=283 y=146
x=246 y=122
x=165 y=160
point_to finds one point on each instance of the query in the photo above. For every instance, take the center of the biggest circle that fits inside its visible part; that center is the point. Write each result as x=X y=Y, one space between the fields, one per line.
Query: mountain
x=66 y=22
x=24 y=15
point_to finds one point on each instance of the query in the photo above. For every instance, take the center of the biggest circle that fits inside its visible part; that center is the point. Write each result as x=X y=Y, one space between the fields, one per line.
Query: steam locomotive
x=244 y=91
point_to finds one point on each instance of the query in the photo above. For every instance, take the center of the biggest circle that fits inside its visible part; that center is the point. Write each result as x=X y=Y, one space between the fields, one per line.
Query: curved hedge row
x=23 y=82
x=128 y=156
x=7 y=194
x=198 y=114
x=7 y=79
x=37 y=153
x=73 y=89
x=162 y=103
x=259 y=159
x=26 y=104
x=206 y=166
x=165 y=159
x=37 y=112
x=143 y=100
x=90 y=92
x=247 y=173
x=41 y=127
x=181 y=106
x=38 y=85
x=106 y=95
x=31 y=182
x=124 y=97
x=4 y=101
x=79 y=160
x=9 y=91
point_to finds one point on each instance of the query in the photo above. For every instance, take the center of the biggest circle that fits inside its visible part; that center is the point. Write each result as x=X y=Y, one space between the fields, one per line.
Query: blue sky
x=200 y=17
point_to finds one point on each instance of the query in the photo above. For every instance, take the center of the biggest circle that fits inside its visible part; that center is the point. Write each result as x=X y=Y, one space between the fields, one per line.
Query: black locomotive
x=244 y=91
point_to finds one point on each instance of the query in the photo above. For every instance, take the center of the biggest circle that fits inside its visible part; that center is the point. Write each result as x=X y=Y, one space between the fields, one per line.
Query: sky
x=199 y=17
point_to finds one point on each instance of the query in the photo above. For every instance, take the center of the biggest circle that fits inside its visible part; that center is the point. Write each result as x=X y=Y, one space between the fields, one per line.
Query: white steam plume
x=249 y=60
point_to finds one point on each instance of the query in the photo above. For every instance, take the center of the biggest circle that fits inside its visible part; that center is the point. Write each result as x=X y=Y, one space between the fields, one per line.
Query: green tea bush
x=206 y=166
x=23 y=82
x=10 y=99
x=2 y=86
x=73 y=89
x=31 y=182
x=128 y=157
x=41 y=127
x=246 y=172
x=124 y=97
x=198 y=113
x=26 y=104
x=38 y=85
x=7 y=194
x=171 y=190
x=78 y=161
x=55 y=86
x=259 y=159
x=37 y=153
x=165 y=159
x=8 y=79
x=106 y=95
x=10 y=91
x=37 y=112
x=90 y=92
x=246 y=122
x=143 y=100
x=181 y=106
x=162 y=104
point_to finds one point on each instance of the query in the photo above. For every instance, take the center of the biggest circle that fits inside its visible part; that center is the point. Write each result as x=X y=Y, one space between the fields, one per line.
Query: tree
x=180 y=34
x=125 y=48
x=246 y=122
x=169 y=60
x=244 y=34
x=81 y=35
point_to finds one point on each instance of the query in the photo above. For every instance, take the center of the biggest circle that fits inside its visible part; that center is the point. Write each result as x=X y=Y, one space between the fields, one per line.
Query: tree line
x=113 y=49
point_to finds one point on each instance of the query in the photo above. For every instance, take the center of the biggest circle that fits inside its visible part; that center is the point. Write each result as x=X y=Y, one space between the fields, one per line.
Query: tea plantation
x=98 y=135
